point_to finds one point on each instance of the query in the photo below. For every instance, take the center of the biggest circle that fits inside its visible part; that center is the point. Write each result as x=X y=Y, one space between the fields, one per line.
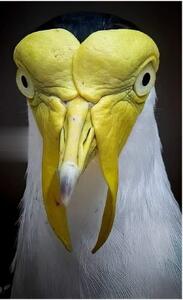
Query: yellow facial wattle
x=85 y=99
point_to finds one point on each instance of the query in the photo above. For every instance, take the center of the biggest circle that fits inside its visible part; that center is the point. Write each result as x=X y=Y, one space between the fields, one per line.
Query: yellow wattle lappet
x=85 y=99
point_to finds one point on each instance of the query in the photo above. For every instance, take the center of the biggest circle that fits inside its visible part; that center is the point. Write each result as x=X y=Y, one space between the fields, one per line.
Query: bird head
x=85 y=99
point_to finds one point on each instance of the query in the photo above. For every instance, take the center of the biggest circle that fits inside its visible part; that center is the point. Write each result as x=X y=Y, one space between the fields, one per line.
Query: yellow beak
x=76 y=138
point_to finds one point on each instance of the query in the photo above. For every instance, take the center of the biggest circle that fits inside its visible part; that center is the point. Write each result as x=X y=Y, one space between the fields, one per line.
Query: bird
x=98 y=217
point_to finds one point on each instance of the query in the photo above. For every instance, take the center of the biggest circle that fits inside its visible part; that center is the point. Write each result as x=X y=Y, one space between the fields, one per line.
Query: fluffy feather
x=141 y=258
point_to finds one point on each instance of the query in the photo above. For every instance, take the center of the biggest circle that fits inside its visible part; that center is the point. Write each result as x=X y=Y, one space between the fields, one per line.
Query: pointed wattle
x=113 y=118
x=50 y=119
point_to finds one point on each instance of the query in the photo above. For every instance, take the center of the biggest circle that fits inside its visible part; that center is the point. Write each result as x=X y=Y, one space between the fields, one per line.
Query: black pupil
x=24 y=81
x=146 y=79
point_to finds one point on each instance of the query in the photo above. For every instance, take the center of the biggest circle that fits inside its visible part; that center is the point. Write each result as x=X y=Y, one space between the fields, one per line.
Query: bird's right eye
x=24 y=83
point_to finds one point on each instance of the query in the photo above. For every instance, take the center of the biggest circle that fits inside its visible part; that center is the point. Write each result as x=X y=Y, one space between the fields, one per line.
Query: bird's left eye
x=145 y=80
x=24 y=83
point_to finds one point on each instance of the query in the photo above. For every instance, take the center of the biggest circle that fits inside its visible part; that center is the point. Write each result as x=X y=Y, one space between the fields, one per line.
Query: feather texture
x=142 y=256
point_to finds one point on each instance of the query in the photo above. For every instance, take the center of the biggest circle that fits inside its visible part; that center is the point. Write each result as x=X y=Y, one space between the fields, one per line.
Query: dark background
x=160 y=20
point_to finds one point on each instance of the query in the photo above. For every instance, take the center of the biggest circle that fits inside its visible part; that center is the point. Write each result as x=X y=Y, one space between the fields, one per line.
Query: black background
x=160 y=20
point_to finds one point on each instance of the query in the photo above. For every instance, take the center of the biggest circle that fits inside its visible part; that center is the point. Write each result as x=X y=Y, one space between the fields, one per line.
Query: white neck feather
x=145 y=239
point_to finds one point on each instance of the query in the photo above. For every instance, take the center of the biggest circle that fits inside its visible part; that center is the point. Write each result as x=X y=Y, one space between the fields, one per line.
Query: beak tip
x=69 y=174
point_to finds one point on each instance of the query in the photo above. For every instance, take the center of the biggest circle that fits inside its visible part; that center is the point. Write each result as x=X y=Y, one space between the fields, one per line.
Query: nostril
x=64 y=102
x=87 y=135
x=91 y=104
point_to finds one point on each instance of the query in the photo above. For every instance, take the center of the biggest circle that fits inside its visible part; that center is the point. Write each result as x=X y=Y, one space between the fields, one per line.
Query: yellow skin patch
x=85 y=98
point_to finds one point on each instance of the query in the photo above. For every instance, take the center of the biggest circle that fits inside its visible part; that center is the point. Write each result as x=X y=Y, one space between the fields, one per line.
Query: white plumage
x=142 y=256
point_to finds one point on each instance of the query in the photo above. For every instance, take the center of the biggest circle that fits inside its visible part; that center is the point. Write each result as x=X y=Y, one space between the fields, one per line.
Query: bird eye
x=145 y=81
x=24 y=83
